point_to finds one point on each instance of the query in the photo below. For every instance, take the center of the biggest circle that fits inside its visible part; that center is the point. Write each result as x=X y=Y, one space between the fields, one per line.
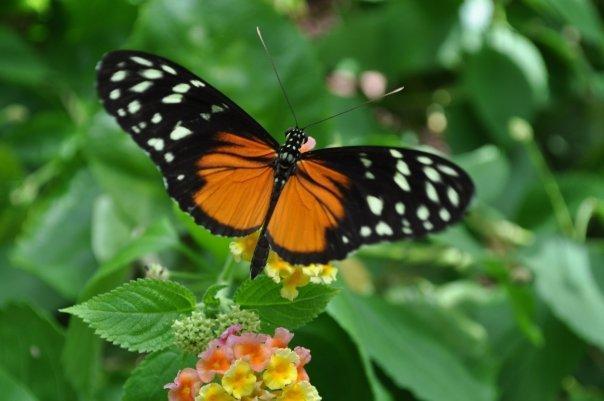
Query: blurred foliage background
x=507 y=306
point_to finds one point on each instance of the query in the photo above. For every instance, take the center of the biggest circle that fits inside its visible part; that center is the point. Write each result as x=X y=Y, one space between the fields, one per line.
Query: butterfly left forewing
x=215 y=159
x=342 y=198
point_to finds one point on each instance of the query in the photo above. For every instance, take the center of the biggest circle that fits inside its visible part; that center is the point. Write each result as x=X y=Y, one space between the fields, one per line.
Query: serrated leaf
x=159 y=368
x=137 y=315
x=262 y=295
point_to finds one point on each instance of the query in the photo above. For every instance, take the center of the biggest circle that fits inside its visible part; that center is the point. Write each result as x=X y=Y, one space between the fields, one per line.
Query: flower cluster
x=247 y=367
x=193 y=333
x=291 y=276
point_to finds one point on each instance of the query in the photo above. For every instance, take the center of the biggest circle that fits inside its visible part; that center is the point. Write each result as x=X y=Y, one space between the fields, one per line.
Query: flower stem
x=226 y=274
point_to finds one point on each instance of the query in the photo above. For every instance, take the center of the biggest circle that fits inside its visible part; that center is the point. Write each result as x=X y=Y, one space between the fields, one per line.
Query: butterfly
x=224 y=169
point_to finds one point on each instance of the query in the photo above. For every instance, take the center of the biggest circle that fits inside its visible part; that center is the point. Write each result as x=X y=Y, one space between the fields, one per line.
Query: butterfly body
x=225 y=170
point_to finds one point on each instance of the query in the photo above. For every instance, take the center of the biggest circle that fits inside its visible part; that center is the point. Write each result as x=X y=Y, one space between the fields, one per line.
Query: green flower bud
x=193 y=333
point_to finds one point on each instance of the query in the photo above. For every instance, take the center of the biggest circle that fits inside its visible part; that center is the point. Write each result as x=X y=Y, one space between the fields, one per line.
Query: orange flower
x=185 y=386
x=216 y=359
x=281 y=338
x=251 y=347
x=303 y=359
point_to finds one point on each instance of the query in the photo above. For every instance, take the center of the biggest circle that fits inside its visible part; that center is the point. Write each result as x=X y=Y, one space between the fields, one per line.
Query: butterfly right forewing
x=216 y=160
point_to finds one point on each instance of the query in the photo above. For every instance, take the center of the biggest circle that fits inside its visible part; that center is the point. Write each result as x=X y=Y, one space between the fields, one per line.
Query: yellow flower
x=243 y=248
x=213 y=392
x=277 y=268
x=301 y=391
x=239 y=380
x=291 y=283
x=319 y=273
x=281 y=369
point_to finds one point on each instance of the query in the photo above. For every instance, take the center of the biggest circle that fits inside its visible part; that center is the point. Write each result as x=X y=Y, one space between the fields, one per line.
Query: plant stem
x=226 y=274
x=561 y=212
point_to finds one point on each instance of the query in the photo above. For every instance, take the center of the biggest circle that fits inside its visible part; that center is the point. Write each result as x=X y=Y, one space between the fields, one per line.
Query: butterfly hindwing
x=341 y=198
x=216 y=159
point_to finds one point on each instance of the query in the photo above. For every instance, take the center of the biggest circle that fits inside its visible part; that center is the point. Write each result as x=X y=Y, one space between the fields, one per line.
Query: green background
x=508 y=305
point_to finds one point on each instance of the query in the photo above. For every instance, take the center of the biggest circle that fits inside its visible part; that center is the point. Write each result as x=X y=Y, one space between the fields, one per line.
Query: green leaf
x=12 y=390
x=209 y=298
x=19 y=63
x=331 y=346
x=137 y=315
x=262 y=295
x=520 y=87
x=30 y=349
x=146 y=383
x=417 y=353
x=566 y=280
x=109 y=231
x=532 y=373
x=55 y=244
x=490 y=170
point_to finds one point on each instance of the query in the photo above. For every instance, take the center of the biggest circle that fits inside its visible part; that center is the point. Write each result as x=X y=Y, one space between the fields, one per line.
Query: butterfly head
x=296 y=136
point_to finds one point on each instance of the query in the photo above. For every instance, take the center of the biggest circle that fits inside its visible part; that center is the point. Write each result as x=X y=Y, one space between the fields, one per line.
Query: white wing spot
x=432 y=174
x=180 y=177
x=156 y=119
x=168 y=69
x=375 y=204
x=206 y=116
x=344 y=239
x=142 y=125
x=121 y=112
x=401 y=181
x=447 y=170
x=141 y=86
x=366 y=162
x=396 y=153
x=134 y=106
x=181 y=88
x=428 y=225
x=400 y=208
x=444 y=214
x=115 y=94
x=173 y=98
x=169 y=157
x=407 y=230
x=431 y=192
x=156 y=143
x=135 y=129
x=369 y=175
x=118 y=76
x=453 y=196
x=402 y=167
x=180 y=132
x=423 y=213
x=141 y=61
x=365 y=231
x=152 y=74
x=197 y=83
x=405 y=222
x=383 y=229
x=216 y=108
x=424 y=159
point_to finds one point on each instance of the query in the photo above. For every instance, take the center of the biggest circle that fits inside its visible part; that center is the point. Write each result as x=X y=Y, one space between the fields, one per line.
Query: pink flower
x=281 y=338
x=185 y=386
x=231 y=331
x=216 y=359
x=252 y=347
x=308 y=145
x=303 y=359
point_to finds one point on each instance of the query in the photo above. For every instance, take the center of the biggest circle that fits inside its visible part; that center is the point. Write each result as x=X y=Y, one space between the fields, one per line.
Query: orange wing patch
x=238 y=180
x=311 y=203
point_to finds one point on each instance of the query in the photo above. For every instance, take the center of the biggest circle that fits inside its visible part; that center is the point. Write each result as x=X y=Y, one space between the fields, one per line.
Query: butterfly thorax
x=289 y=154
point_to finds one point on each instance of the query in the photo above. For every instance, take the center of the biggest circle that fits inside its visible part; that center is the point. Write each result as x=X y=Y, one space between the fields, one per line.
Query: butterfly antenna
x=277 y=74
x=397 y=90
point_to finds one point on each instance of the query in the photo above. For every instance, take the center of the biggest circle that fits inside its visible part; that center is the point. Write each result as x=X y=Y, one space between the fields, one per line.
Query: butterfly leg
x=260 y=255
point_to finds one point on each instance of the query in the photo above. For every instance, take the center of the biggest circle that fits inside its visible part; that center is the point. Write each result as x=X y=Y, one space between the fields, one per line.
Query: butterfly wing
x=215 y=158
x=341 y=198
